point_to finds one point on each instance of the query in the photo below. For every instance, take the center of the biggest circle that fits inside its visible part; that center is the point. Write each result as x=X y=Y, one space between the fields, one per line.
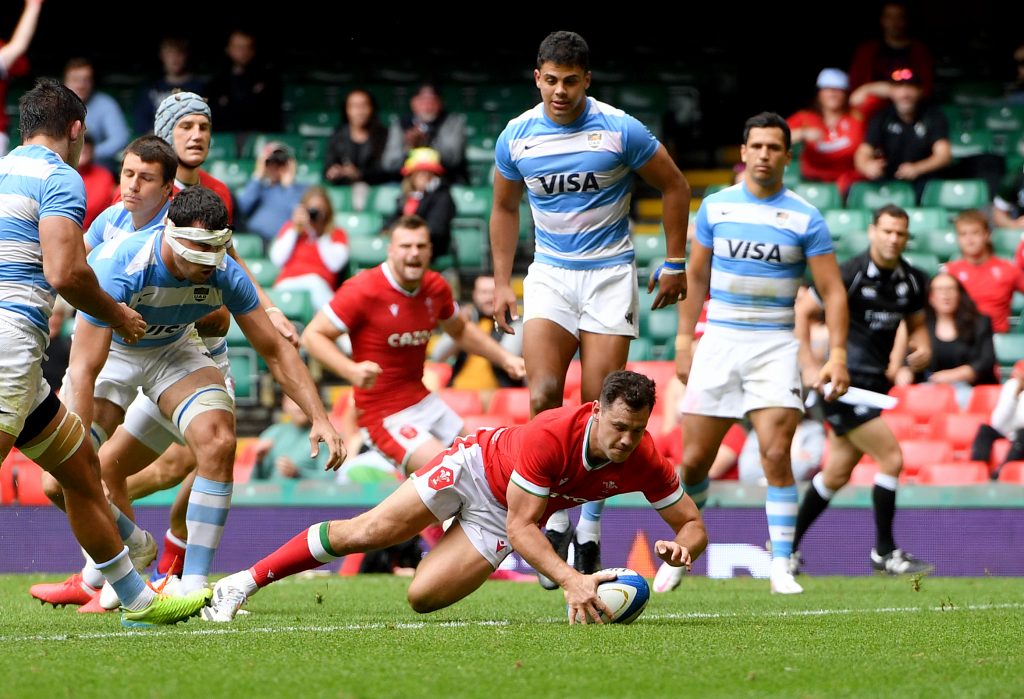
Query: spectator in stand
x=1006 y=422
x=806 y=453
x=906 y=140
x=426 y=194
x=830 y=133
x=1008 y=204
x=875 y=59
x=989 y=280
x=247 y=94
x=1015 y=90
x=104 y=119
x=310 y=250
x=269 y=198
x=99 y=183
x=283 y=450
x=428 y=125
x=355 y=150
x=962 y=351
x=471 y=371
x=176 y=78
x=13 y=62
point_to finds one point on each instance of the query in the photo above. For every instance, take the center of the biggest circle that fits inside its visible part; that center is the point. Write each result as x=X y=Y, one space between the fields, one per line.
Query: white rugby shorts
x=603 y=301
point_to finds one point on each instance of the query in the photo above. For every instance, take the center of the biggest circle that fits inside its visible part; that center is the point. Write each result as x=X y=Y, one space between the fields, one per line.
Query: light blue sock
x=130 y=532
x=781 y=508
x=699 y=492
x=127 y=583
x=208 y=507
x=592 y=510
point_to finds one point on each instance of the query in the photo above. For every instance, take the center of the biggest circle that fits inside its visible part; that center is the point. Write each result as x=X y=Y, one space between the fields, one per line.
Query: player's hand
x=582 y=600
x=515 y=367
x=132 y=327
x=809 y=376
x=673 y=554
x=919 y=359
x=323 y=431
x=506 y=308
x=284 y=327
x=684 y=358
x=365 y=374
x=836 y=373
x=671 y=287
x=286 y=467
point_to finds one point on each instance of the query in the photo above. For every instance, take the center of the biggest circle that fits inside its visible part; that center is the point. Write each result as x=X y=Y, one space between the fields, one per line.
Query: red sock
x=172 y=560
x=307 y=550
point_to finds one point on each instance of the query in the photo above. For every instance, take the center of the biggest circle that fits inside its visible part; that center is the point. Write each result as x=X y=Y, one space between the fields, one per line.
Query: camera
x=314 y=214
x=278 y=156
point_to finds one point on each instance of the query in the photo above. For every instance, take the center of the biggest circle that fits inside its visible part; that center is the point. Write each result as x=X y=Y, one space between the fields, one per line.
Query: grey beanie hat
x=173 y=108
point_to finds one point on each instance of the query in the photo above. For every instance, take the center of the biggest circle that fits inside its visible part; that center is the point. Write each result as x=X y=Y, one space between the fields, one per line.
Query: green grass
x=356 y=637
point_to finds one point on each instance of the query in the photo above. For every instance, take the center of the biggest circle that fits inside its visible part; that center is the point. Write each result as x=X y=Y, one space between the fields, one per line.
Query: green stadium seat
x=235 y=336
x=659 y=326
x=1004 y=118
x=1005 y=241
x=841 y=222
x=359 y=225
x=263 y=271
x=929 y=219
x=309 y=172
x=942 y=244
x=872 y=195
x=248 y=245
x=480 y=149
x=384 y=199
x=965 y=144
x=471 y=249
x=296 y=304
x=956 y=194
x=648 y=248
x=314 y=122
x=851 y=243
x=821 y=195
x=474 y=202
x=924 y=261
x=222 y=147
x=245 y=373
x=1009 y=348
x=233 y=173
x=366 y=252
x=340 y=197
x=641 y=350
x=961 y=117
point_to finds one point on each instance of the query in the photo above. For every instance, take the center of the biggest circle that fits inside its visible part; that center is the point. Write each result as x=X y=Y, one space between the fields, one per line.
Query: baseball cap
x=904 y=76
x=833 y=78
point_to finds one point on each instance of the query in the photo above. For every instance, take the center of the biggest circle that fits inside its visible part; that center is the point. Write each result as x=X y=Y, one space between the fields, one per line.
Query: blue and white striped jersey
x=579 y=180
x=760 y=250
x=116 y=221
x=132 y=271
x=34 y=184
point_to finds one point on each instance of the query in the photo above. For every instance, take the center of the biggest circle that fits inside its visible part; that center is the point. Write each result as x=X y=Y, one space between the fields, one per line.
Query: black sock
x=810 y=509
x=981 y=449
x=884 y=501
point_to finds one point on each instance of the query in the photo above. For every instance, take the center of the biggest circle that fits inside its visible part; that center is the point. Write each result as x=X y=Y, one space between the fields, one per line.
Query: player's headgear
x=173 y=108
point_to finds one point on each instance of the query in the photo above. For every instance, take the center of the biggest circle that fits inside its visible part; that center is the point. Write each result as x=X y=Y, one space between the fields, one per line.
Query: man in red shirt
x=501 y=485
x=390 y=312
x=989 y=280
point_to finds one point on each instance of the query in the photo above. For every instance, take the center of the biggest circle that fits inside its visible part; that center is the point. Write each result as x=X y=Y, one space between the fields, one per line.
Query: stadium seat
x=903 y=425
x=953 y=473
x=439 y=373
x=28 y=481
x=359 y=225
x=942 y=244
x=641 y=350
x=983 y=400
x=929 y=219
x=1000 y=449
x=1005 y=241
x=472 y=423
x=843 y=222
x=7 y=491
x=659 y=325
x=873 y=195
x=383 y=199
x=310 y=172
x=514 y=402
x=661 y=373
x=245 y=459
x=851 y=243
x=918 y=453
x=648 y=248
x=473 y=202
x=1009 y=348
x=956 y=194
x=924 y=261
x=263 y=271
x=366 y=252
x=233 y=173
x=821 y=195
x=462 y=401
x=1012 y=472
x=341 y=198
x=970 y=142
x=249 y=246
x=296 y=304
x=470 y=249
x=573 y=379
x=245 y=372
x=1004 y=118
x=958 y=429
x=864 y=473
x=924 y=400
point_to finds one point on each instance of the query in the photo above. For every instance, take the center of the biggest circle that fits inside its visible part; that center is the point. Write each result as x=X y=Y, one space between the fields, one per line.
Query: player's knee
x=214 y=443
x=892 y=462
x=545 y=394
x=775 y=456
x=423 y=599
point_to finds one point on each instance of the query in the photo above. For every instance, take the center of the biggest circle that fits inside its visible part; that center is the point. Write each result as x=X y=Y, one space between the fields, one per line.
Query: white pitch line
x=415 y=625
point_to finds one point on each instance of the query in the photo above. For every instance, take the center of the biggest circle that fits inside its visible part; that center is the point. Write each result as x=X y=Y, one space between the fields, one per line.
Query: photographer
x=269 y=198
x=310 y=250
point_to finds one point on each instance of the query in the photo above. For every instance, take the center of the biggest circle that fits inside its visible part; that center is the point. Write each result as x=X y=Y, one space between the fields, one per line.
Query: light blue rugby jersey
x=760 y=249
x=579 y=180
x=132 y=271
x=34 y=184
x=116 y=221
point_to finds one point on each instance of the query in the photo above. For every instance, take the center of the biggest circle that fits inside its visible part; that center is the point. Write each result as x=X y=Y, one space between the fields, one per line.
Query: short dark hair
x=50 y=109
x=635 y=390
x=77 y=62
x=564 y=49
x=153 y=149
x=198 y=205
x=889 y=210
x=411 y=221
x=768 y=120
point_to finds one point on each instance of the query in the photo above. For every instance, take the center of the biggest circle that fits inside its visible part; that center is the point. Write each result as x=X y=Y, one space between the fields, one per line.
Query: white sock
x=91 y=576
x=819 y=484
x=558 y=522
x=244 y=580
x=588 y=530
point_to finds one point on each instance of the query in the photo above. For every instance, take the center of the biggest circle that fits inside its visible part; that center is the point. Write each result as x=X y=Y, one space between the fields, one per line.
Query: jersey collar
x=394 y=283
x=586 y=441
x=874 y=272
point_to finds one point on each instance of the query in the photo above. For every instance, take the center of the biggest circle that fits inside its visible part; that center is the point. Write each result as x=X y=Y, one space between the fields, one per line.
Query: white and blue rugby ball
x=626 y=596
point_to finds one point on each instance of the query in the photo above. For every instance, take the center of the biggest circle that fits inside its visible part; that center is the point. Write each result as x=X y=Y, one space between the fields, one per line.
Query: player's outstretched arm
x=474 y=341
x=23 y=33
x=691 y=539
x=287 y=367
x=504 y=239
x=662 y=174
x=829 y=283
x=90 y=346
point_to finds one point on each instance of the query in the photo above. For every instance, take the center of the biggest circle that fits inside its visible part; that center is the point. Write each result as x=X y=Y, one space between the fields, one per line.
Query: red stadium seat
x=864 y=473
x=999 y=451
x=245 y=458
x=983 y=400
x=514 y=402
x=462 y=401
x=918 y=453
x=29 y=482
x=958 y=429
x=1012 y=472
x=661 y=373
x=924 y=400
x=472 y=423
x=573 y=380
x=903 y=425
x=7 y=479
x=956 y=473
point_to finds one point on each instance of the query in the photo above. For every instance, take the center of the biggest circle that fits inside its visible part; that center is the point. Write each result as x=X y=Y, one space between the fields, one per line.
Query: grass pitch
x=356 y=637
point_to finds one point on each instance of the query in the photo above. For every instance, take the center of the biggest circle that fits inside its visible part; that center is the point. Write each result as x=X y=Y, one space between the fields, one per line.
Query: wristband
x=274 y=309
x=670 y=267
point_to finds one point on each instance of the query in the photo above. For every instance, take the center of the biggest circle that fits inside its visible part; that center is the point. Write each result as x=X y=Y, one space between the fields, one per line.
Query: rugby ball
x=626 y=596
